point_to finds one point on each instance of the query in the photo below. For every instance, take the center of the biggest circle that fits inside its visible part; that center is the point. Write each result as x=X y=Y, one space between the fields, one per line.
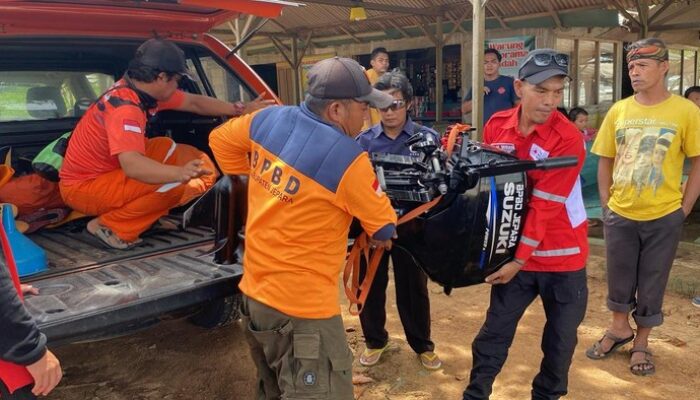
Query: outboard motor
x=475 y=227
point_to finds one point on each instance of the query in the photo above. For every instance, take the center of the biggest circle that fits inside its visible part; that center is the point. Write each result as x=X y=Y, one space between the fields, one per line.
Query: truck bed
x=70 y=247
x=89 y=289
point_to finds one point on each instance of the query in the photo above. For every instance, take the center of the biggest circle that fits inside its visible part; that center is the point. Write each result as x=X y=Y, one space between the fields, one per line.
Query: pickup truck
x=57 y=57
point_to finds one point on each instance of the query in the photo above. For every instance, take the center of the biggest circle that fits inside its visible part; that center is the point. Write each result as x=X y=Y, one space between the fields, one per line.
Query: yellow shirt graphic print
x=649 y=145
x=640 y=158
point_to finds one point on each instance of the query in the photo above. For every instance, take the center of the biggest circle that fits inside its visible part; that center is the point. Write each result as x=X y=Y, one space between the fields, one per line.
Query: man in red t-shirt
x=551 y=257
x=113 y=172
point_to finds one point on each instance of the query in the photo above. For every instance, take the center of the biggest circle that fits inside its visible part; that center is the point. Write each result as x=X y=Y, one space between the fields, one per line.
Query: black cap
x=162 y=55
x=344 y=78
x=536 y=74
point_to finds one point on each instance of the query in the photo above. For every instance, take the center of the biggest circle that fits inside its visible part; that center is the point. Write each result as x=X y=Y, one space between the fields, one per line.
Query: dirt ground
x=178 y=361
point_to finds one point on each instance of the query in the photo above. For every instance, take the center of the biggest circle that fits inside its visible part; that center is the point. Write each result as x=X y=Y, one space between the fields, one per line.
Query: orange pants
x=129 y=207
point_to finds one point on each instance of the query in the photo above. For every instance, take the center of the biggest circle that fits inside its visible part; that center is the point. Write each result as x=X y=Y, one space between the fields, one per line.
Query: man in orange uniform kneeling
x=113 y=172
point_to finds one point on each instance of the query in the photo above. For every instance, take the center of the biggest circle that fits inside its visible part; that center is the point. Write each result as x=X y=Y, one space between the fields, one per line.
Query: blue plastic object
x=30 y=258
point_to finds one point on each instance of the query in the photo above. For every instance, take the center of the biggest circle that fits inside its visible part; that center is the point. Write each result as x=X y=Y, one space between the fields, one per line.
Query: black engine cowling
x=475 y=227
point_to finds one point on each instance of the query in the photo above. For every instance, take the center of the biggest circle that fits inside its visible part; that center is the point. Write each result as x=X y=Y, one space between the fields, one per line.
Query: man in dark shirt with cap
x=308 y=179
x=551 y=256
x=112 y=171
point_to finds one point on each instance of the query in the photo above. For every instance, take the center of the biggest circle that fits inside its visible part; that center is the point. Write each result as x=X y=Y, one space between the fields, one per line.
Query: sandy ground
x=178 y=361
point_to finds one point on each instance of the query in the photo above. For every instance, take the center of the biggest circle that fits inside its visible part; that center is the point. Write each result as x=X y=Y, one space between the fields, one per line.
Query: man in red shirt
x=113 y=172
x=551 y=257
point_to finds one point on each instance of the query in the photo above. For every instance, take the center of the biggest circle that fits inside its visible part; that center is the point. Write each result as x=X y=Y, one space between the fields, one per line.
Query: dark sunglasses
x=395 y=105
x=545 y=59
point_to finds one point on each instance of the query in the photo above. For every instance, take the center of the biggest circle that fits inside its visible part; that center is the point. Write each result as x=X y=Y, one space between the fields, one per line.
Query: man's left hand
x=504 y=275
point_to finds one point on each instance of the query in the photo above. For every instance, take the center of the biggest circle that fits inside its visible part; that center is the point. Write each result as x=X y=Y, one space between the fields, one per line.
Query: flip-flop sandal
x=113 y=241
x=596 y=352
x=371 y=357
x=646 y=362
x=430 y=361
x=42 y=218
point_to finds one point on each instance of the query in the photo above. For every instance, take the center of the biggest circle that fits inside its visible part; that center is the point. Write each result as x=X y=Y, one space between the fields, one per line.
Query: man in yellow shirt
x=642 y=145
x=379 y=60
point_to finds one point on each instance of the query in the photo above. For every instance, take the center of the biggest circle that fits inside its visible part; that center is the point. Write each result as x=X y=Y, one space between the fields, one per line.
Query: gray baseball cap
x=343 y=78
x=542 y=64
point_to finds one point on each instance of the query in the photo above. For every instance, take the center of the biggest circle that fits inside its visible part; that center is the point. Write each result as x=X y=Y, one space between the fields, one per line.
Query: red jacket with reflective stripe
x=555 y=234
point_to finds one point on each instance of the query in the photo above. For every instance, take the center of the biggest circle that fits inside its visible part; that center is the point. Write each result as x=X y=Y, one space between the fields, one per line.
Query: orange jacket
x=307 y=181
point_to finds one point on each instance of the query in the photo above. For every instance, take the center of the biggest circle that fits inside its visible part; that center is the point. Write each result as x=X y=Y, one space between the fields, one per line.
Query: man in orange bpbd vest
x=308 y=179
x=113 y=172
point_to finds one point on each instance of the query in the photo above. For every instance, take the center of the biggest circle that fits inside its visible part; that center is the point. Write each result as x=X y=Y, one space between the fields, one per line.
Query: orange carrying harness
x=357 y=291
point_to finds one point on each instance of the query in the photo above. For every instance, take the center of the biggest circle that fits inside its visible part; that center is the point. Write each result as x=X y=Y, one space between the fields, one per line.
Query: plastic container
x=30 y=258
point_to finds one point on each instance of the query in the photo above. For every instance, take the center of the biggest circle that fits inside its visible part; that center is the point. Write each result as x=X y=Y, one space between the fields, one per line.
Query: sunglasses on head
x=546 y=59
x=395 y=105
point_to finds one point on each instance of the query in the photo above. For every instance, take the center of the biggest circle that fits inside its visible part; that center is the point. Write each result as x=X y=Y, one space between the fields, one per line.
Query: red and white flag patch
x=377 y=188
x=131 y=126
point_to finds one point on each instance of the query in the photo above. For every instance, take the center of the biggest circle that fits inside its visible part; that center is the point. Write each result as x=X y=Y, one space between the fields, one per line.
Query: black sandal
x=595 y=352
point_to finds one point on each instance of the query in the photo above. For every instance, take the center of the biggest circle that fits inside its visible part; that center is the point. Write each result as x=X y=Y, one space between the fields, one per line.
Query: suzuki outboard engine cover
x=475 y=227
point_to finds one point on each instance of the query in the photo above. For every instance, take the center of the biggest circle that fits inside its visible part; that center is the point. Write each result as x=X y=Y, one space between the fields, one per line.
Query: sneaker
x=696 y=301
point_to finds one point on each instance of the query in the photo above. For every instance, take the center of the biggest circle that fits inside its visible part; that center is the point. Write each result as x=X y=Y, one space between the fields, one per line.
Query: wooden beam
x=375 y=6
x=282 y=49
x=554 y=14
x=643 y=11
x=284 y=28
x=682 y=10
x=398 y=28
x=307 y=43
x=457 y=25
x=624 y=12
x=500 y=20
x=439 y=70
x=681 y=26
x=478 y=36
x=347 y=32
x=660 y=10
x=424 y=27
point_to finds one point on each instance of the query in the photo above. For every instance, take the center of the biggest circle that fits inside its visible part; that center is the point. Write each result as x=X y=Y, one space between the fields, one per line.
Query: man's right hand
x=487 y=90
x=46 y=373
x=193 y=170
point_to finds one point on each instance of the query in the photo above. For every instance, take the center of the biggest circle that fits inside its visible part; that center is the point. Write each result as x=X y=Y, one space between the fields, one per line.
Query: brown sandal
x=108 y=238
x=644 y=367
x=596 y=352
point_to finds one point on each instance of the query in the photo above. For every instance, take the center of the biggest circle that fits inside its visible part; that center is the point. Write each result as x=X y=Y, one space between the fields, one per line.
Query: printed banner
x=513 y=50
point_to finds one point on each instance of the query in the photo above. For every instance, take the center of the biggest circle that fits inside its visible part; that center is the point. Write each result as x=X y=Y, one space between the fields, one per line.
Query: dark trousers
x=564 y=295
x=640 y=255
x=411 y=299
x=24 y=393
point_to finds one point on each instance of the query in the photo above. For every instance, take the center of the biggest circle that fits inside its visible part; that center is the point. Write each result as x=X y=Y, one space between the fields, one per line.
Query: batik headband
x=649 y=51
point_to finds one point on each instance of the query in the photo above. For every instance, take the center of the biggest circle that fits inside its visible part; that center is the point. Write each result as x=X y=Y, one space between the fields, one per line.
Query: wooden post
x=478 y=36
x=439 y=70
x=296 y=94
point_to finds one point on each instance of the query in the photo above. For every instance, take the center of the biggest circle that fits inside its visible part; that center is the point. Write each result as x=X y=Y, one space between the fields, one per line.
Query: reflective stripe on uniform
x=167 y=187
x=557 y=252
x=171 y=150
x=548 y=196
x=529 y=242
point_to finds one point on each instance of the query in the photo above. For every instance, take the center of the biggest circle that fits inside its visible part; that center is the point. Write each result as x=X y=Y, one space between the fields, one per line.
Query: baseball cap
x=343 y=78
x=162 y=55
x=542 y=64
